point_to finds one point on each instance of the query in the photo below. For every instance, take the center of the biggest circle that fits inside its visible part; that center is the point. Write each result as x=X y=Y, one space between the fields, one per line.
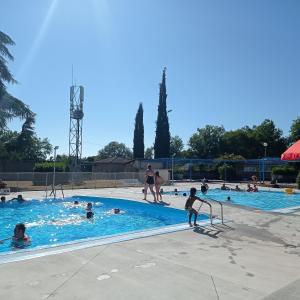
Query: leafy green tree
x=162 y=138
x=240 y=142
x=18 y=146
x=231 y=157
x=205 y=143
x=226 y=172
x=295 y=131
x=138 y=138
x=115 y=149
x=149 y=153
x=176 y=146
x=10 y=107
x=267 y=132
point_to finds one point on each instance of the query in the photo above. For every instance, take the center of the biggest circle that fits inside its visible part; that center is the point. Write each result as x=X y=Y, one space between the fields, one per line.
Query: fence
x=171 y=168
x=34 y=181
x=196 y=169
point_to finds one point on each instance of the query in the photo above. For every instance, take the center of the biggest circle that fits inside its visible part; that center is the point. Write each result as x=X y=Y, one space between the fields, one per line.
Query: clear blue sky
x=230 y=63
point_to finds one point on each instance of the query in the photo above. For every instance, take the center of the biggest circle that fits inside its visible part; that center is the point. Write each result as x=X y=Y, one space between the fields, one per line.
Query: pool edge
x=94 y=242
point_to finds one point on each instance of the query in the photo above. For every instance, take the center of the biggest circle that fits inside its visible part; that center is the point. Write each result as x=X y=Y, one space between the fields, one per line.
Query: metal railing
x=53 y=191
x=210 y=210
x=221 y=204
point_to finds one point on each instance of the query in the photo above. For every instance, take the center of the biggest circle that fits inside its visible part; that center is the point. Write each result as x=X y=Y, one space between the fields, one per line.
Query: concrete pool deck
x=257 y=256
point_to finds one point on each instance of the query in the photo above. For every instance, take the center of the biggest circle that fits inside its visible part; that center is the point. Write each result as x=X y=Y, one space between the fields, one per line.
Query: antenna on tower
x=72 y=76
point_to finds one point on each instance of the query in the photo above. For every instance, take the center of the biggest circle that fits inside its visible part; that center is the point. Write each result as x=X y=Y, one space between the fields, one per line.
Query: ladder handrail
x=210 y=209
x=53 y=192
x=222 y=212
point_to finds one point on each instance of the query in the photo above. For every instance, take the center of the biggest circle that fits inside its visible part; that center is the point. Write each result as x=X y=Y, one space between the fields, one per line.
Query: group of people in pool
x=19 y=198
x=20 y=240
x=238 y=189
x=153 y=180
x=90 y=213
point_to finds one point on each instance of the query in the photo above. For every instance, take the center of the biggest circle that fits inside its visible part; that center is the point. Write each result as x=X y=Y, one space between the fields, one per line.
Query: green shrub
x=298 y=181
x=48 y=167
x=284 y=171
x=226 y=172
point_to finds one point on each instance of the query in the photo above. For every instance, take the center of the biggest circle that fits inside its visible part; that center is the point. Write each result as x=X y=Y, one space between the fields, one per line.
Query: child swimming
x=19 y=240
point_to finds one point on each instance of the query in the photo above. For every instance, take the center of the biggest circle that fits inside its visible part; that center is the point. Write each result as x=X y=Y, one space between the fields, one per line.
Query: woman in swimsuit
x=149 y=182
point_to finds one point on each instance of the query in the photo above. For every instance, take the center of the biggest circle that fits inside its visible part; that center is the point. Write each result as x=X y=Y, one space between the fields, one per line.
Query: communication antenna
x=76 y=120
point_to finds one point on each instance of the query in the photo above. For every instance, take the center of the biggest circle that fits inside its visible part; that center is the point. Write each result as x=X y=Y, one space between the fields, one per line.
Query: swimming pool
x=263 y=200
x=53 y=222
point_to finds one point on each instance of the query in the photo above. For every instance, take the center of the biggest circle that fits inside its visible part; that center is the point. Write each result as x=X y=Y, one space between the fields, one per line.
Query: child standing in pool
x=89 y=212
x=189 y=206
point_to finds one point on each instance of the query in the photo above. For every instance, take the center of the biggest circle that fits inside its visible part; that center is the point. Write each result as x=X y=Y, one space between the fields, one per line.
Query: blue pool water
x=263 y=200
x=56 y=221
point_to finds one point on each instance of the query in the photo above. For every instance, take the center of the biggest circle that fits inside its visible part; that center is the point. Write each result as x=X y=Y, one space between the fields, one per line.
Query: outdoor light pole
x=265 y=145
x=54 y=161
x=264 y=169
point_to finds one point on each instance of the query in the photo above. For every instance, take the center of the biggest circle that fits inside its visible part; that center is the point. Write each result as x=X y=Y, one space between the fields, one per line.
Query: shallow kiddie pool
x=263 y=200
x=53 y=222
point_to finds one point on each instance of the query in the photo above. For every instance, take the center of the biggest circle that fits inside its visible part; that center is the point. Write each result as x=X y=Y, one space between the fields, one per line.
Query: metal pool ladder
x=222 y=212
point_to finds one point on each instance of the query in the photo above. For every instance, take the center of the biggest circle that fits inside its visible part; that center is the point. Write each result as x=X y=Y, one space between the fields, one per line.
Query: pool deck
x=256 y=256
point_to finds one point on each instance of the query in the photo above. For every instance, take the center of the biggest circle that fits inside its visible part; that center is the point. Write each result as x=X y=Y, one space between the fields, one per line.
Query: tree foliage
x=10 y=107
x=176 y=146
x=295 y=131
x=138 y=138
x=114 y=149
x=241 y=142
x=206 y=142
x=267 y=132
x=149 y=153
x=23 y=146
x=162 y=138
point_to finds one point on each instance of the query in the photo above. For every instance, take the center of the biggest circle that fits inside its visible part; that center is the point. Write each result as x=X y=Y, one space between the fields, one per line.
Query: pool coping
x=26 y=254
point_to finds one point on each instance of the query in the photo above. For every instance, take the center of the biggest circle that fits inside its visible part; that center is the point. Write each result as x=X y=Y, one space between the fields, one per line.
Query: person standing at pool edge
x=149 y=176
x=158 y=182
x=189 y=206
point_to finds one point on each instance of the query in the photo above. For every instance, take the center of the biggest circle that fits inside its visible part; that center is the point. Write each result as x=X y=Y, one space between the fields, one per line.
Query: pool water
x=263 y=200
x=56 y=221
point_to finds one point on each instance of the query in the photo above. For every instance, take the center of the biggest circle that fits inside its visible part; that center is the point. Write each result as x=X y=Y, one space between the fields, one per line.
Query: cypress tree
x=162 y=138
x=138 y=138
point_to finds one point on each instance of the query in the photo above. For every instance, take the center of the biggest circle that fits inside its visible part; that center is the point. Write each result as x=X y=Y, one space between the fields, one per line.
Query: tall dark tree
x=138 y=138
x=162 y=138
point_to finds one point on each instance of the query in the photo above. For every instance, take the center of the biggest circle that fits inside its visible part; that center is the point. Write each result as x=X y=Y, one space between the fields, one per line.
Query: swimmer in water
x=19 y=240
x=20 y=199
x=115 y=211
x=89 y=212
